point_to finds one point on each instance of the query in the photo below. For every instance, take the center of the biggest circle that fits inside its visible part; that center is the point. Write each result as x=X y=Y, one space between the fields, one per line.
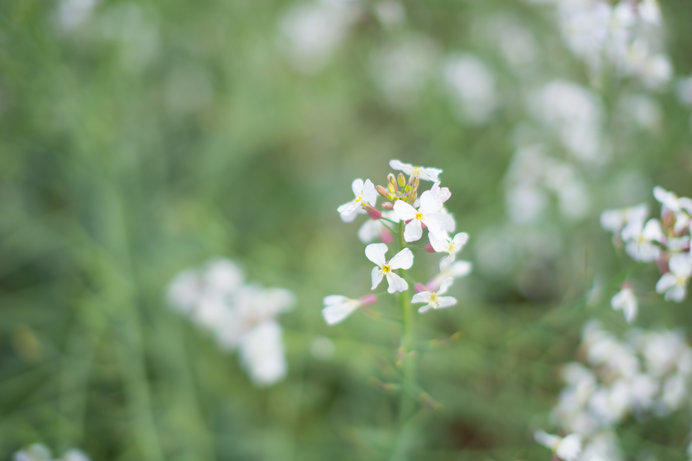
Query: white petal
x=652 y=230
x=375 y=252
x=401 y=166
x=439 y=242
x=430 y=174
x=460 y=241
x=334 y=299
x=357 y=187
x=442 y=193
x=369 y=193
x=262 y=353
x=459 y=269
x=335 y=313
x=369 y=231
x=445 y=301
x=447 y=261
x=677 y=294
x=666 y=282
x=421 y=297
x=413 y=231
x=376 y=277
x=612 y=220
x=396 y=283
x=430 y=203
x=402 y=260
x=680 y=264
x=348 y=211
x=444 y=286
x=425 y=308
x=404 y=211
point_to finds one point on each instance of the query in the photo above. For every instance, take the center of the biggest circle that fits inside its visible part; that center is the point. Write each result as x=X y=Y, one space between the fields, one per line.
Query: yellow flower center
x=419 y=216
x=433 y=298
x=451 y=248
x=386 y=268
x=359 y=198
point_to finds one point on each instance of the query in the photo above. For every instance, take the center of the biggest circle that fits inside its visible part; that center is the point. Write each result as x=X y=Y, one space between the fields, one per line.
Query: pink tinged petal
x=445 y=301
x=444 y=286
x=666 y=282
x=413 y=231
x=367 y=300
x=430 y=203
x=402 y=260
x=357 y=187
x=369 y=193
x=396 y=283
x=422 y=297
x=375 y=252
x=376 y=277
x=335 y=313
x=418 y=287
x=404 y=211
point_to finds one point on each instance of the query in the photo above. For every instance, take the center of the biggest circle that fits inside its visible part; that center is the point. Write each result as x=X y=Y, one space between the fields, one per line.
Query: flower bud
x=412 y=198
x=418 y=287
x=388 y=205
x=402 y=179
x=382 y=191
x=373 y=212
x=386 y=236
x=367 y=299
x=429 y=248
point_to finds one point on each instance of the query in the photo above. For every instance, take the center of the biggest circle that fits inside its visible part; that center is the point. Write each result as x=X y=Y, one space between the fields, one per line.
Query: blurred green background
x=143 y=138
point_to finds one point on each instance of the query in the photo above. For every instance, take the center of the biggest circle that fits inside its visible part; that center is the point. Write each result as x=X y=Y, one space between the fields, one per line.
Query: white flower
x=262 y=353
x=74 y=455
x=402 y=260
x=674 y=283
x=640 y=238
x=337 y=307
x=450 y=245
x=365 y=196
x=680 y=206
x=625 y=301
x=429 y=213
x=455 y=270
x=615 y=220
x=566 y=448
x=433 y=300
x=424 y=173
x=36 y=452
x=472 y=87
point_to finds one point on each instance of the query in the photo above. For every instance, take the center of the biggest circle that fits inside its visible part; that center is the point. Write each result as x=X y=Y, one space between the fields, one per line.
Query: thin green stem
x=406 y=361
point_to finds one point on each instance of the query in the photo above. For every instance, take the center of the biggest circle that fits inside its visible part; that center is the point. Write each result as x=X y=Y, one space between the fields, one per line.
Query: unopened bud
x=388 y=205
x=386 y=236
x=418 y=287
x=373 y=212
x=429 y=248
x=402 y=179
x=382 y=191
x=367 y=299
x=412 y=198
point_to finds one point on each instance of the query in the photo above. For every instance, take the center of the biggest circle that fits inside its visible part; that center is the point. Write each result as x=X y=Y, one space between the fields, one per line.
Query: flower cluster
x=239 y=315
x=665 y=241
x=39 y=452
x=646 y=375
x=407 y=212
x=626 y=34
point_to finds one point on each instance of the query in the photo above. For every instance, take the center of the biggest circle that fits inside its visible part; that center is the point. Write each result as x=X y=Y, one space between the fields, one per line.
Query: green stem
x=406 y=361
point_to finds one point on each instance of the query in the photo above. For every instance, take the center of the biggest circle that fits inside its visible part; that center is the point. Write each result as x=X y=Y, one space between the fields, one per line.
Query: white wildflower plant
x=664 y=241
x=406 y=215
x=645 y=375
x=237 y=314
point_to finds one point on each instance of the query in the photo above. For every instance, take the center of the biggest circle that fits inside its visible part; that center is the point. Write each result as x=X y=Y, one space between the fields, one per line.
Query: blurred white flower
x=472 y=86
x=35 y=452
x=433 y=300
x=443 y=243
x=455 y=270
x=337 y=307
x=674 y=283
x=625 y=301
x=642 y=240
x=402 y=260
x=566 y=448
x=72 y=13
